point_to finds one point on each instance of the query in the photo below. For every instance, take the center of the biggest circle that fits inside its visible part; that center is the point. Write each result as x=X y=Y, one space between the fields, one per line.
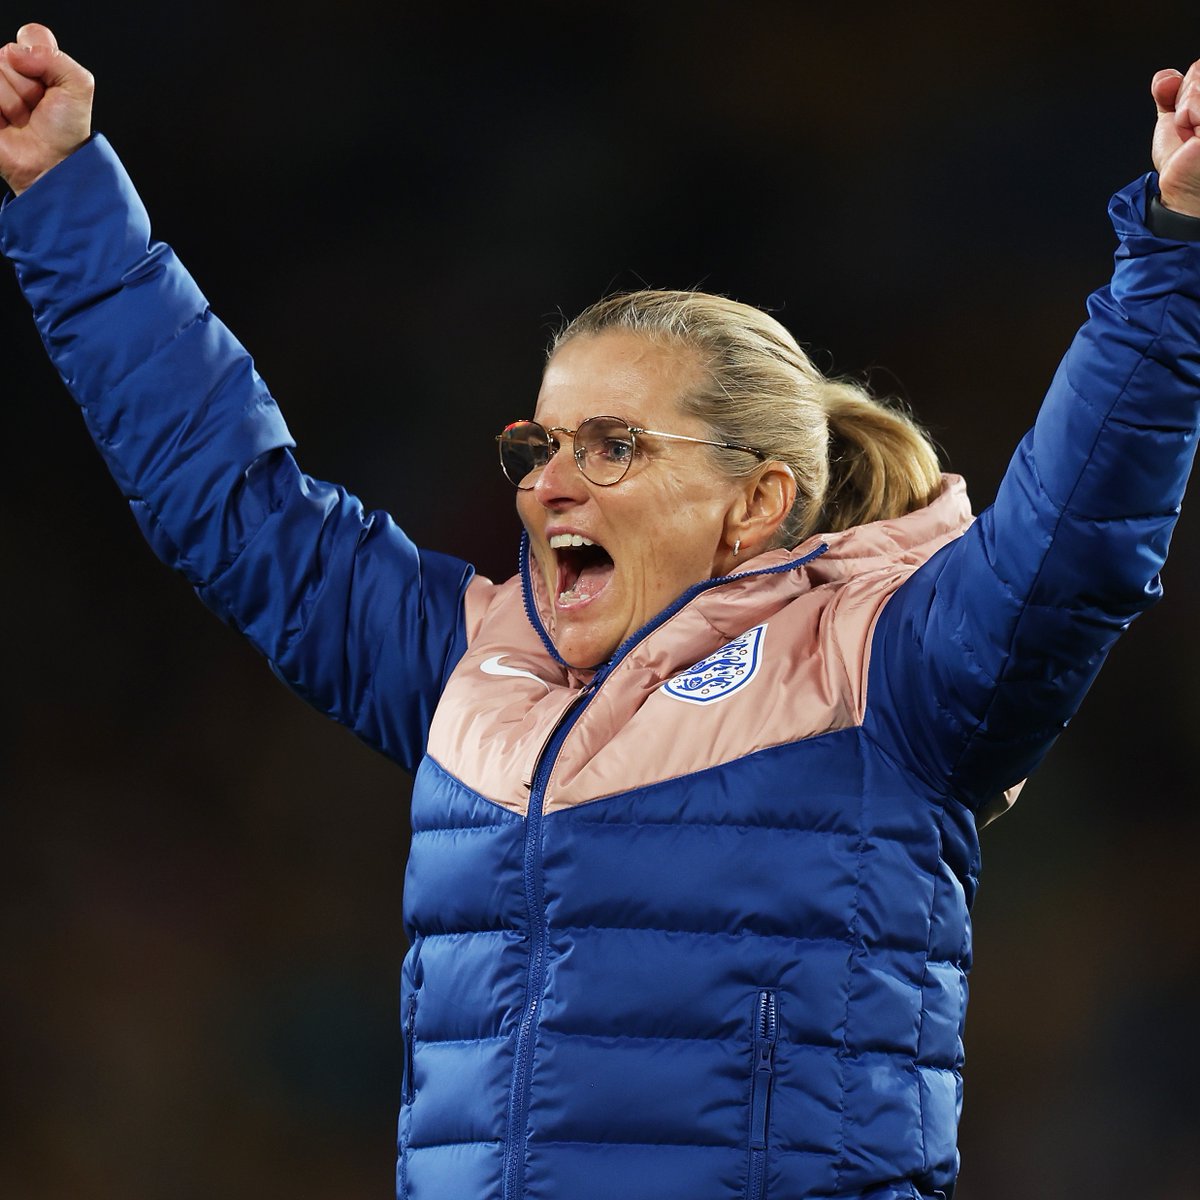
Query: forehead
x=616 y=373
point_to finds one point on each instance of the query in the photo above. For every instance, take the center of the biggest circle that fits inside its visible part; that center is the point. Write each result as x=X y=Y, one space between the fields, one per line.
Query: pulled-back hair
x=856 y=459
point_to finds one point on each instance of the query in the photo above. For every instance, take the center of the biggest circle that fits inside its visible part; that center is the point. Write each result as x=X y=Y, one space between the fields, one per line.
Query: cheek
x=671 y=557
x=687 y=526
x=675 y=487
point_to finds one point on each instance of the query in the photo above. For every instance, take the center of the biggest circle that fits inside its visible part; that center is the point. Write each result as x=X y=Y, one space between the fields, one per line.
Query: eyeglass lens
x=603 y=448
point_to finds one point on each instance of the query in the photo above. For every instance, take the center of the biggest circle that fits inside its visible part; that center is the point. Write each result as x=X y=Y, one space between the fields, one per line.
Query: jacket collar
x=725 y=607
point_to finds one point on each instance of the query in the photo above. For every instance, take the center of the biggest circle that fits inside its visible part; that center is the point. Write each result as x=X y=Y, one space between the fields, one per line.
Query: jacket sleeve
x=348 y=611
x=981 y=658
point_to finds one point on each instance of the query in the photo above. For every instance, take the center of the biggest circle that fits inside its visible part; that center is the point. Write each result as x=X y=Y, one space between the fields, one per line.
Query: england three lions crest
x=722 y=673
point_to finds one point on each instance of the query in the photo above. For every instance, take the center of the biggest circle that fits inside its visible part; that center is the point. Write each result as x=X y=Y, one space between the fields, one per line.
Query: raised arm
x=349 y=612
x=981 y=658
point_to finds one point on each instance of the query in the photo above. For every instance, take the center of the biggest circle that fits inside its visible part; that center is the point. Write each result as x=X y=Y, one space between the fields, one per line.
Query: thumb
x=37 y=56
x=1164 y=87
x=35 y=37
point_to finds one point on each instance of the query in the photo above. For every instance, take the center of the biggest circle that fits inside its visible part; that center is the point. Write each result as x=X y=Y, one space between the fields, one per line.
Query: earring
x=736 y=547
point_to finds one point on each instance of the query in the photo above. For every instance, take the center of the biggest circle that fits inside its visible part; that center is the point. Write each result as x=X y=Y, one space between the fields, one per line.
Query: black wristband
x=1167 y=223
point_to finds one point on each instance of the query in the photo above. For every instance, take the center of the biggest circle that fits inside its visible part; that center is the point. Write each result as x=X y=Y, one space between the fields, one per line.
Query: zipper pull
x=596 y=680
x=766 y=1032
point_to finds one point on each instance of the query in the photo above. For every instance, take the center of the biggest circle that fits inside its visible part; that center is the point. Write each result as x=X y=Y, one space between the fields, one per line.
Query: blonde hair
x=856 y=459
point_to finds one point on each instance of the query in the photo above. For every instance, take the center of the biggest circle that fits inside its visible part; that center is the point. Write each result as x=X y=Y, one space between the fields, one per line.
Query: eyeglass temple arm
x=683 y=437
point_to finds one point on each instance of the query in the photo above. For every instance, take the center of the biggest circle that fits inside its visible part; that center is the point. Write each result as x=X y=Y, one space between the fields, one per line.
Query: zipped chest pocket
x=766 y=1035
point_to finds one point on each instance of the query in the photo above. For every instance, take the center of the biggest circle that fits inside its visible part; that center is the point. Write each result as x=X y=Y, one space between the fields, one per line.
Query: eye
x=616 y=451
x=604 y=449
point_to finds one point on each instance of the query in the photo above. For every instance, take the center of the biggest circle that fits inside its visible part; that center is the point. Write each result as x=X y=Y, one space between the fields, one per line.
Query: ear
x=759 y=509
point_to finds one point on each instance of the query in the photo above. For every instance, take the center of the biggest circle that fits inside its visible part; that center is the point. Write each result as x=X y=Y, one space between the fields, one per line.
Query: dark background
x=391 y=204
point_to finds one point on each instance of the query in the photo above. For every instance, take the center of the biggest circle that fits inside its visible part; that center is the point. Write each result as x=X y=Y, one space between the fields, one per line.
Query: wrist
x=1167 y=222
x=22 y=182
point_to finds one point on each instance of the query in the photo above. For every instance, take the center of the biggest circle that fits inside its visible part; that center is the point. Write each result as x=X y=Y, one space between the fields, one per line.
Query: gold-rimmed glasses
x=603 y=449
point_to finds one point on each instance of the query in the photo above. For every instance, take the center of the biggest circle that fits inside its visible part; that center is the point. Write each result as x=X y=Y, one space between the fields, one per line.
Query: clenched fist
x=45 y=106
x=1176 y=147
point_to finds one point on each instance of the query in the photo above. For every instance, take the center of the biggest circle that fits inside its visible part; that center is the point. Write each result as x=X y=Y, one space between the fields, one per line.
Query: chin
x=583 y=659
x=584 y=651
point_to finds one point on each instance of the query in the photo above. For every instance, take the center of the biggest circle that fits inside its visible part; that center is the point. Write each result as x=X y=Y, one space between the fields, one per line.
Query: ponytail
x=881 y=463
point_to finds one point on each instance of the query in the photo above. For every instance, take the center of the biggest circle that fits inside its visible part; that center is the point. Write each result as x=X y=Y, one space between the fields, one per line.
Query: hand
x=45 y=106
x=1176 y=146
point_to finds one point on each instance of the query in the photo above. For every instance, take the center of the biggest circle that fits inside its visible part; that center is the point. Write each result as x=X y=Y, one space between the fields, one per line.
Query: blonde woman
x=695 y=821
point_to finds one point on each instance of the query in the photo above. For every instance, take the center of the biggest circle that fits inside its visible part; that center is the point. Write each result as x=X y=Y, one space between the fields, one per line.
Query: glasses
x=603 y=449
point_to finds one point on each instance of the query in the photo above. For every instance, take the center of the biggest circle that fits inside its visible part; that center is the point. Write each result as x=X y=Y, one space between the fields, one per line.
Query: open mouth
x=584 y=569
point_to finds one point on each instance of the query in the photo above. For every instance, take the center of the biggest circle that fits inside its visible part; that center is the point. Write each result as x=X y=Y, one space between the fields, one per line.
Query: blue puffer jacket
x=694 y=926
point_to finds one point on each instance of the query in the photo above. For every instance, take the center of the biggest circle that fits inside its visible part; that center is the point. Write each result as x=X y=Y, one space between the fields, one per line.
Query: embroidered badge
x=721 y=674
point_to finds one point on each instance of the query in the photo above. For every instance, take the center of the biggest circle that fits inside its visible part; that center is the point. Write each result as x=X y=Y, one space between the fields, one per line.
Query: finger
x=1164 y=87
x=12 y=107
x=51 y=68
x=1187 y=104
x=37 y=56
x=31 y=61
x=15 y=107
x=30 y=90
x=35 y=36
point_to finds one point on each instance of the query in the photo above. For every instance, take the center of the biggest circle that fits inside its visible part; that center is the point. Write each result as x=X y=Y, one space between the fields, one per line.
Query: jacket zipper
x=518 y=1106
x=766 y=1033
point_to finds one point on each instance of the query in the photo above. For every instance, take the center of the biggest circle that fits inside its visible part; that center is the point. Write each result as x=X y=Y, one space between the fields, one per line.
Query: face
x=658 y=531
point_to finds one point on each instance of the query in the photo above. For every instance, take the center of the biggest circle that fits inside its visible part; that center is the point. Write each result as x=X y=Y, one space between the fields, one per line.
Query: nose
x=560 y=481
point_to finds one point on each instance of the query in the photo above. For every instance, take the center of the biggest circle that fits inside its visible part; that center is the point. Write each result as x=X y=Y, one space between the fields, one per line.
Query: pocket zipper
x=766 y=1033
x=410 y=1022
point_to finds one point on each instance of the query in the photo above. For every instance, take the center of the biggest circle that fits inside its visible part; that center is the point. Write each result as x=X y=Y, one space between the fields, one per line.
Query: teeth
x=560 y=541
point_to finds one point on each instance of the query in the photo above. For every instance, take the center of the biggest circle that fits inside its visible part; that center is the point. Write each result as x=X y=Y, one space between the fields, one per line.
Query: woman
x=697 y=796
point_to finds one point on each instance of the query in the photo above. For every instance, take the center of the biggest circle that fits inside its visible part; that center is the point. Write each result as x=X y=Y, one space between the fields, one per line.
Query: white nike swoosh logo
x=493 y=666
